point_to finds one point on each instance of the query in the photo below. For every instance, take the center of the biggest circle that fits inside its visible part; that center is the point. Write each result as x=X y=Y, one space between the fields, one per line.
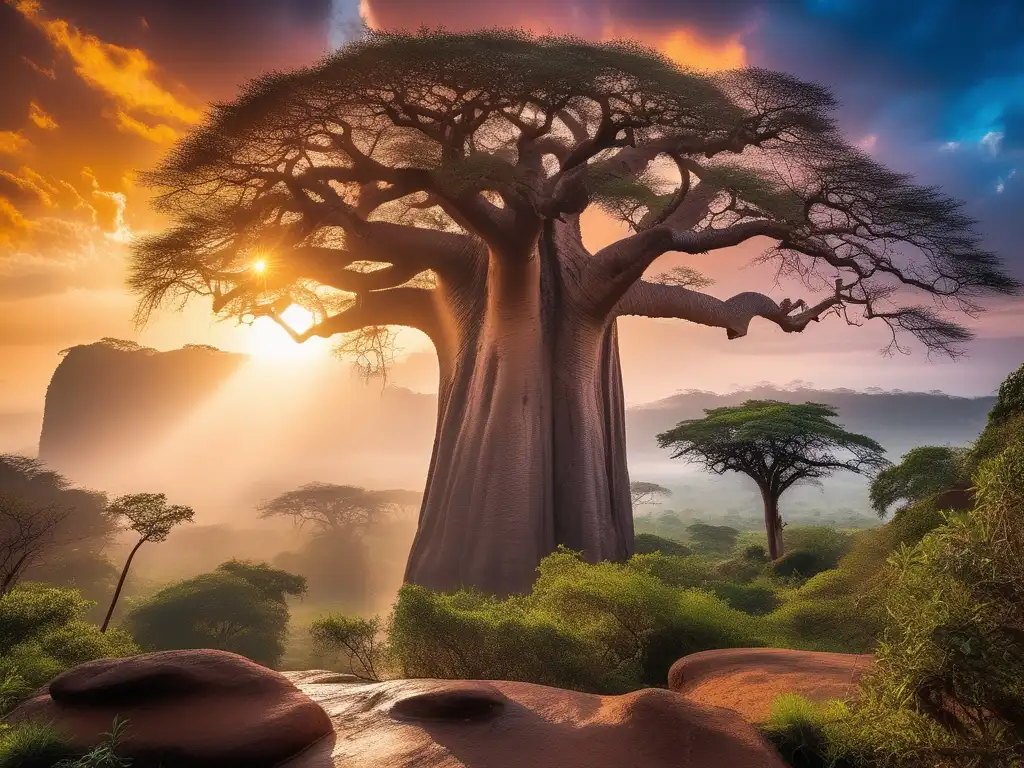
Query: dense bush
x=353 y=642
x=606 y=627
x=800 y=563
x=948 y=686
x=952 y=658
x=648 y=543
x=755 y=599
x=42 y=633
x=718 y=539
x=829 y=544
x=922 y=473
x=745 y=567
x=239 y=607
x=1009 y=399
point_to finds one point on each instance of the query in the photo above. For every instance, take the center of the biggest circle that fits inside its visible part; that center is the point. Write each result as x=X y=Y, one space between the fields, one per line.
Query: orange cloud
x=41 y=117
x=12 y=224
x=686 y=48
x=126 y=75
x=12 y=142
x=27 y=184
x=160 y=133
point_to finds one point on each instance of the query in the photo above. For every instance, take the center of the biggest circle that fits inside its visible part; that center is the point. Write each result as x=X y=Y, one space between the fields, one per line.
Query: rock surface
x=184 y=708
x=747 y=680
x=199 y=709
x=475 y=724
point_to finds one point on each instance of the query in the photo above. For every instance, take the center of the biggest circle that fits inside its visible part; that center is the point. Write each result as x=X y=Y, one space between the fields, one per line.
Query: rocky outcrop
x=187 y=709
x=193 y=709
x=748 y=680
x=476 y=724
x=112 y=397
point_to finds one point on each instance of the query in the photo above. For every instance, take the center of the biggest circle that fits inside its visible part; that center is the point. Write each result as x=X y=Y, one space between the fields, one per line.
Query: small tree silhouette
x=149 y=515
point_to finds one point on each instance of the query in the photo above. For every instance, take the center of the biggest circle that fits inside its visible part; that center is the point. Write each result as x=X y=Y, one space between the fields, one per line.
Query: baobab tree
x=437 y=180
x=775 y=444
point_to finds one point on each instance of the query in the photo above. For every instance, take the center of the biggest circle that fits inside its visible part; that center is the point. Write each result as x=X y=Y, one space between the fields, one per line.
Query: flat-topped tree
x=775 y=444
x=436 y=181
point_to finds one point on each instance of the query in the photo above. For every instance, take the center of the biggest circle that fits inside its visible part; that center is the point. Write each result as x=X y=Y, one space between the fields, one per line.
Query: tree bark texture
x=530 y=445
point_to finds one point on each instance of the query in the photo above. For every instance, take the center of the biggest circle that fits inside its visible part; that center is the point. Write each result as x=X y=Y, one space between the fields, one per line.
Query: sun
x=259 y=266
x=267 y=339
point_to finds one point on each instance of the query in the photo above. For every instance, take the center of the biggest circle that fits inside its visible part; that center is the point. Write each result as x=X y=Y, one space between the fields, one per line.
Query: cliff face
x=109 y=397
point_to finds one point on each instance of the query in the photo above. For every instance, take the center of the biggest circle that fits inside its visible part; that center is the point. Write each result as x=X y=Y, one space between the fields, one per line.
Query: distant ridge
x=897 y=419
x=110 y=402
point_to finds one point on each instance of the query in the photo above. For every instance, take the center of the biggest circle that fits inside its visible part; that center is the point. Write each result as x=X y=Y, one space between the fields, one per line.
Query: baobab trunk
x=529 y=452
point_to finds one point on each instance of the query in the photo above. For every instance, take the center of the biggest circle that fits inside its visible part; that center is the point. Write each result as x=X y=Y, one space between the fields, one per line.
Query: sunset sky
x=94 y=91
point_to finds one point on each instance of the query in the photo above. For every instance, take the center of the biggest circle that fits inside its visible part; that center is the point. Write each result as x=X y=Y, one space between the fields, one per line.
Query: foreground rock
x=747 y=680
x=197 y=709
x=200 y=709
x=472 y=724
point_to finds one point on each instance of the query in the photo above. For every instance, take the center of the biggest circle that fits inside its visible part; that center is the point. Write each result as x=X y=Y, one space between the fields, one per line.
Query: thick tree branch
x=616 y=267
x=409 y=307
x=734 y=314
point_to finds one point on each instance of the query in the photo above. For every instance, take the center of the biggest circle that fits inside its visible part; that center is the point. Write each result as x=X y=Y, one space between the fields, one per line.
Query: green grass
x=33 y=745
x=801 y=731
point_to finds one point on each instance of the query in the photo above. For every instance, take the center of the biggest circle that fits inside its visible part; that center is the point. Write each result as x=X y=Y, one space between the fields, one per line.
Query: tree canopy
x=922 y=472
x=642 y=492
x=239 y=607
x=331 y=508
x=149 y=514
x=366 y=172
x=773 y=442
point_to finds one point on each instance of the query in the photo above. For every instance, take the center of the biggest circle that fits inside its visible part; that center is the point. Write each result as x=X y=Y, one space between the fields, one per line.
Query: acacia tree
x=437 y=181
x=776 y=445
x=150 y=516
x=642 y=492
x=333 y=509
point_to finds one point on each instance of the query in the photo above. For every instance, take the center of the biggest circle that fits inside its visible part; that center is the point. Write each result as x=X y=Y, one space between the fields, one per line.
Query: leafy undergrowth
x=39 y=745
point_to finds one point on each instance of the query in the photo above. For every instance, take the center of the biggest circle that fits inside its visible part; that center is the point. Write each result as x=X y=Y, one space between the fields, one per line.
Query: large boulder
x=475 y=724
x=194 y=709
x=748 y=680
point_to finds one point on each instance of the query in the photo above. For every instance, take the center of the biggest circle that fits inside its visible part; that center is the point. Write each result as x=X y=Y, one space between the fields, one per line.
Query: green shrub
x=690 y=571
x=829 y=544
x=1009 y=399
x=750 y=598
x=239 y=607
x=839 y=625
x=606 y=627
x=701 y=621
x=648 y=543
x=747 y=566
x=466 y=635
x=42 y=635
x=799 y=564
x=356 y=641
x=811 y=735
x=712 y=538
